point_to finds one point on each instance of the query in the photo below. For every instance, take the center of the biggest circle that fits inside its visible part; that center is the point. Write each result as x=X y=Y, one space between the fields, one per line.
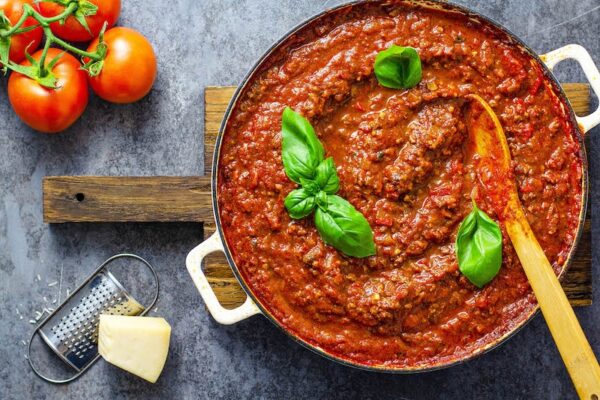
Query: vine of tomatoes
x=48 y=89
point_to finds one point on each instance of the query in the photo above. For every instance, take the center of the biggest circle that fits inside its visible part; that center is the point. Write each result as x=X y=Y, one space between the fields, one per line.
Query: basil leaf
x=344 y=228
x=301 y=149
x=338 y=222
x=327 y=177
x=321 y=199
x=398 y=67
x=299 y=203
x=479 y=247
x=310 y=186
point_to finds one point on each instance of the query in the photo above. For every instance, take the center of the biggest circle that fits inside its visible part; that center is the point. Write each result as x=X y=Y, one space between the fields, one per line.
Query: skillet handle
x=581 y=55
x=194 y=267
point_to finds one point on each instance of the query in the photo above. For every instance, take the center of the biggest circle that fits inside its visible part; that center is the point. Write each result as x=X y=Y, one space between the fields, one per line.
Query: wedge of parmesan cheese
x=139 y=345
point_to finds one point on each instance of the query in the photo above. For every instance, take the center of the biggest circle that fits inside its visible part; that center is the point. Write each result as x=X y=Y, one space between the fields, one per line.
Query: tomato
x=72 y=30
x=13 y=10
x=50 y=110
x=129 y=68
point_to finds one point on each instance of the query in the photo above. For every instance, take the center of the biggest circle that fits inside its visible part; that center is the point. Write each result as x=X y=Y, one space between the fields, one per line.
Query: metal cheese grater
x=71 y=331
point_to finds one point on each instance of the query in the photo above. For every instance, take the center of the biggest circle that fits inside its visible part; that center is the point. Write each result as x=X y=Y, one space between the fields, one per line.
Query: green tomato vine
x=39 y=70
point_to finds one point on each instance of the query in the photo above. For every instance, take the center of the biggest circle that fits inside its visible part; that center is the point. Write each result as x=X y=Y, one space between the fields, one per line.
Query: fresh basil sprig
x=300 y=203
x=338 y=222
x=398 y=67
x=302 y=150
x=326 y=176
x=343 y=227
x=479 y=247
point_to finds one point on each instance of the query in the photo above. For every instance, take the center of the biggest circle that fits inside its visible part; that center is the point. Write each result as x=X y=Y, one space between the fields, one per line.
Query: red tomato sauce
x=401 y=159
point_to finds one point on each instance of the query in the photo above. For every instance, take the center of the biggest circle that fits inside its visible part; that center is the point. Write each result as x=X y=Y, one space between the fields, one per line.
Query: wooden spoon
x=493 y=163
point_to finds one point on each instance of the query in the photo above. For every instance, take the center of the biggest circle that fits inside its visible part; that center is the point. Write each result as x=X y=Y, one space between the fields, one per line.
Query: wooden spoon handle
x=486 y=133
x=572 y=344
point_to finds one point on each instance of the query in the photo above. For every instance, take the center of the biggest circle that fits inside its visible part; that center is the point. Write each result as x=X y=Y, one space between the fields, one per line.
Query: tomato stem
x=71 y=8
x=43 y=71
x=93 y=56
x=29 y=11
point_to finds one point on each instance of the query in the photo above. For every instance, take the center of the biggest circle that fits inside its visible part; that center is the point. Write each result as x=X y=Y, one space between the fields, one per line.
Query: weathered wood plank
x=126 y=199
x=218 y=273
x=216 y=100
x=579 y=97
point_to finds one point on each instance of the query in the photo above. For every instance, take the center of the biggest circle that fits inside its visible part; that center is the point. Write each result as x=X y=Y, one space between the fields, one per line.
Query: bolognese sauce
x=400 y=157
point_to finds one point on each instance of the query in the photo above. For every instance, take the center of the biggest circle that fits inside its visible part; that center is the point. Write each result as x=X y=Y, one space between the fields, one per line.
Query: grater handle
x=194 y=267
x=76 y=375
x=38 y=329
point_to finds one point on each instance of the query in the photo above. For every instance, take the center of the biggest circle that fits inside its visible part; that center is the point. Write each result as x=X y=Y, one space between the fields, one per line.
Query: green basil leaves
x=338 y=222
x=326 y=176
x=479 y=247
x=343 y=227
x=302 y=150
x=300 y=203
x=398 y=67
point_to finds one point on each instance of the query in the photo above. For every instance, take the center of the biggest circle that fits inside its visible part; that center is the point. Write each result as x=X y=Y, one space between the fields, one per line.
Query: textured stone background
x=202 y=43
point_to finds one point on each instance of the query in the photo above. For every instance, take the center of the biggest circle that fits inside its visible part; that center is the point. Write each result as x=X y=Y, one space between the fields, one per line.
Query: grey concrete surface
x=214 y=42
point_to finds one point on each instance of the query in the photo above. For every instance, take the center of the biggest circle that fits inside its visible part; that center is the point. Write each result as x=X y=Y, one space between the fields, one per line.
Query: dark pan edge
x=256 y=68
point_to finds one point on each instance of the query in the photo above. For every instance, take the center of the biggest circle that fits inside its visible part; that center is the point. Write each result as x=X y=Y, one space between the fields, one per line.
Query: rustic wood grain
x=178 y=199
x=126 y=199
x=221 y=278
x=579 y=97
x=216 y=100
x=577 y=282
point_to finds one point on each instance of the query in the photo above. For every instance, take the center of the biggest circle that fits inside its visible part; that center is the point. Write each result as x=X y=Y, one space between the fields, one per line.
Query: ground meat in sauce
x=401 y=161
x=433 y=135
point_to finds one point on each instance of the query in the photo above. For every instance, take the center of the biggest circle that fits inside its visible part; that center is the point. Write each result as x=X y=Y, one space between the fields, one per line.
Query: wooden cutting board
x=188 y=199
